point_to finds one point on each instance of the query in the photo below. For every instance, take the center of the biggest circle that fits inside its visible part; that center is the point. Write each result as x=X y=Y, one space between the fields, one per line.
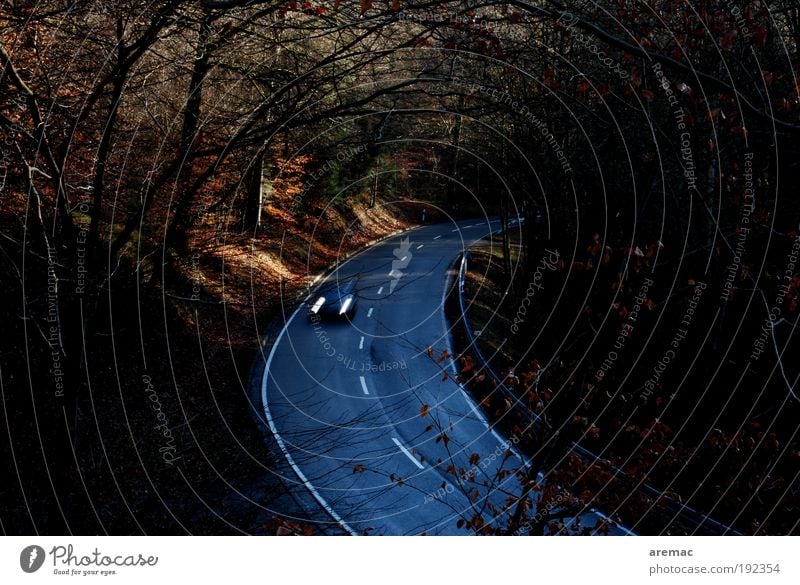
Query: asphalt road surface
x=345 y=399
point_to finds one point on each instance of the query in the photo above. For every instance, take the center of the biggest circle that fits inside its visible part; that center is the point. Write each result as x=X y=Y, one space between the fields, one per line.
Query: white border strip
x=279 y=439
x=407 y=453
x=265 y=404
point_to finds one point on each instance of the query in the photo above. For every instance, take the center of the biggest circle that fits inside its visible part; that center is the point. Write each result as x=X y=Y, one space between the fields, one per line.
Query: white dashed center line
x=361 y=343
x=418 y=247
x=369 y=313
x=437 y=237
x=363 y=384
x=455 y=230
x=408 y=454
x=380 y=290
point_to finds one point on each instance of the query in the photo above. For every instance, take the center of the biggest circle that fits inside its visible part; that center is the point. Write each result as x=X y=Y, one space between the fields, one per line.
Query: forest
x=176 y=176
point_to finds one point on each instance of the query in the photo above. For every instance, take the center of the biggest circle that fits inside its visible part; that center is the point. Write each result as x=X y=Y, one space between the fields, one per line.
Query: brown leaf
x=740 y=131
x=424 y=410
x=726 y=42
x=760 y=36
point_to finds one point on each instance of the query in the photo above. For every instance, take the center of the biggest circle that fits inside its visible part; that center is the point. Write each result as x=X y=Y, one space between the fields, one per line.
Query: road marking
x=467 y=398
x=455 y=230
x=380 y=290
x=274 y=430
x=361 y=343
x=271 y=422
x=617 y=524
x=437 y=237
x=369 y=313
x=408 y=454
x=418 y=247
x=475 y=411
x=363 y=384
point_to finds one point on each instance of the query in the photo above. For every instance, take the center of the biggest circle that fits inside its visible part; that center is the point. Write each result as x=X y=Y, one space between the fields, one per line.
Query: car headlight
x=318 y=305
x=346 y=305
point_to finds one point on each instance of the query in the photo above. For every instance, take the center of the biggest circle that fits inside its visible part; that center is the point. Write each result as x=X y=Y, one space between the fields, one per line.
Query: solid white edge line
x=363 y=384
x=279 y=439
x=467 y=398
x=614 y=522
x=268 y=414
x=407 y=453
x=525 y=461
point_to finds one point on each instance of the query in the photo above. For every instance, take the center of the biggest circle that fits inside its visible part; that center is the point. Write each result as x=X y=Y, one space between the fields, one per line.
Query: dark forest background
x=167 y=178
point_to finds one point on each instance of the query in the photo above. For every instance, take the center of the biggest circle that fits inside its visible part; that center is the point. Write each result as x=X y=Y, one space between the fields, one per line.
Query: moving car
x=337 y=302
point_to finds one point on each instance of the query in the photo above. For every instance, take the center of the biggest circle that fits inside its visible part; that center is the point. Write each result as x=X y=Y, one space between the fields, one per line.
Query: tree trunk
x=104 y=150
x=176 y=233
x=456 y=140
x=254 y=197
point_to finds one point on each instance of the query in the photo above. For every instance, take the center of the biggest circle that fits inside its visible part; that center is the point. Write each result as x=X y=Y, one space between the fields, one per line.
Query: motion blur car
x=336 y=302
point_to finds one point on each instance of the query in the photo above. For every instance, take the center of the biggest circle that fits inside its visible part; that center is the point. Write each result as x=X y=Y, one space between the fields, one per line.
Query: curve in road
x=366 y=416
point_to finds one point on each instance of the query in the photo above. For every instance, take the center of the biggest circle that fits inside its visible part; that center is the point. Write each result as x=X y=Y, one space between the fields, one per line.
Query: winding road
x=366 y=418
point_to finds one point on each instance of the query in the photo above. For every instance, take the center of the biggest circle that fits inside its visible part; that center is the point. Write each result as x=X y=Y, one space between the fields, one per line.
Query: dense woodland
x=172 y=172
